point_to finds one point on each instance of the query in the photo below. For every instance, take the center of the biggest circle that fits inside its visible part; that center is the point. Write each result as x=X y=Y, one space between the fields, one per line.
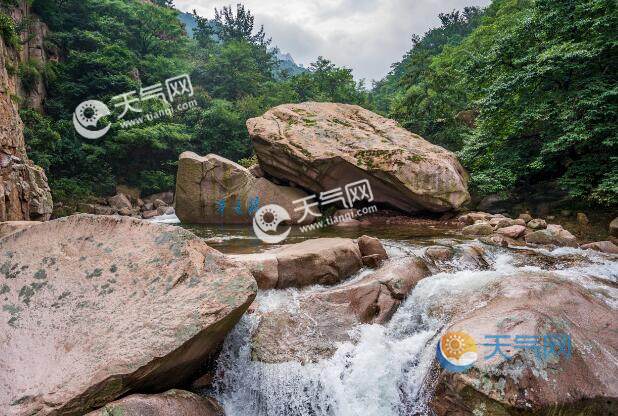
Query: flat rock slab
x=170 y=403
x=322 y=146
x=324 y=261
x=93 y=308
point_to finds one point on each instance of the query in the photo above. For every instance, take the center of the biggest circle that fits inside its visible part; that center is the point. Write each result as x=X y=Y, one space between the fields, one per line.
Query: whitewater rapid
x=382 y=371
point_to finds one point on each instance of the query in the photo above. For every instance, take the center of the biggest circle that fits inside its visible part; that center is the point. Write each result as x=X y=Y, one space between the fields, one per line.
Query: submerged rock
x=94 y=308
x=448 y=258
x=170 y=403
x=214 y=190
x=439 y=253
x=322 y=146
x=310 y=331
x=535 y=305
x=324 y=261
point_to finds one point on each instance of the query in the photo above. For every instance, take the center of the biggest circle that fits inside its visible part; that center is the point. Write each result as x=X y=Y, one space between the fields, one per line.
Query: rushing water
x=382 y=370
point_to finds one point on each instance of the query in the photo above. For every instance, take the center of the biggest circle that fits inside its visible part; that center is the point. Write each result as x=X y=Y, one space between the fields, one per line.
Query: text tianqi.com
x=269 y=217
x=88 y=113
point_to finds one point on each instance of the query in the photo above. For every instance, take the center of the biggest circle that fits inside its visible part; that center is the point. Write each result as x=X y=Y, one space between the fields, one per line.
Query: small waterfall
x=382 y=369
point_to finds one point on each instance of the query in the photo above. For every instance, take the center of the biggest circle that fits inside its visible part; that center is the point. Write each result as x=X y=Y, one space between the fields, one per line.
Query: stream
x=383 y=370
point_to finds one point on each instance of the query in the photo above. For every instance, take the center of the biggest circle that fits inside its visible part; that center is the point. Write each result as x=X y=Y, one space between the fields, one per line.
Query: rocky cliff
x=24 y=192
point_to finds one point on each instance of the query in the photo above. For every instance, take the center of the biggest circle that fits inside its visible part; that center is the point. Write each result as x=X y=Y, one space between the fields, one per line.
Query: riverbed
x=383 y=370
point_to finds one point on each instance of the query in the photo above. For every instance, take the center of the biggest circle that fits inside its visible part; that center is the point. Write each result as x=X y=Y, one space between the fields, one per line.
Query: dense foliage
x=8 y=32
x=524 y=91
x=111 y=47
x=528 y=95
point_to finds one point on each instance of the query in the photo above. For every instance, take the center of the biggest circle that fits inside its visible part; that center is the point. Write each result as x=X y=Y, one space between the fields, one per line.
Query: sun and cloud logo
x=267 y=219
x=88 y=114
x=456 y=351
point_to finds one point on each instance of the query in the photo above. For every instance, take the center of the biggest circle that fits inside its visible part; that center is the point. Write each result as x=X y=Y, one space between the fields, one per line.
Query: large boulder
x=170 y=403
x=324 y=261
x=214 y=190
x=535 y=305
x=311 y=329
x=322 y=146
x=96 y=307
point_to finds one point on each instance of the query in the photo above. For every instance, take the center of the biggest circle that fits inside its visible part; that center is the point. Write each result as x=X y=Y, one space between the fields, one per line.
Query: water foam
x=381 y=371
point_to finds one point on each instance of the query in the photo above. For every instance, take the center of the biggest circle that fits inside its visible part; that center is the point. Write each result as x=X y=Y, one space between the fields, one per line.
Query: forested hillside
x=110 y=47
x=525 y=91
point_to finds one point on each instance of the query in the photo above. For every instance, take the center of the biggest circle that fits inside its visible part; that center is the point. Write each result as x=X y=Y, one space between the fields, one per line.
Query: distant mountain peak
x=286 y=61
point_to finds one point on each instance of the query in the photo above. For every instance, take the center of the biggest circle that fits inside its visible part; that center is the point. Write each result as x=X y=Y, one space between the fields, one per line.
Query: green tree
x=327 y=82
x=525 y=94
x=235 y=69
x=239 y=26
x=108 y=47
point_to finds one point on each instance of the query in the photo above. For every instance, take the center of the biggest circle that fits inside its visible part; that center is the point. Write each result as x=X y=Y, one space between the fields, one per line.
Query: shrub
x=248 y=161
x=8 y=31
x=29 y=74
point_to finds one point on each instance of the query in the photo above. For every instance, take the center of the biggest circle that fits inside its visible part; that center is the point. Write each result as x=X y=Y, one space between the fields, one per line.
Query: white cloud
x=365 y=35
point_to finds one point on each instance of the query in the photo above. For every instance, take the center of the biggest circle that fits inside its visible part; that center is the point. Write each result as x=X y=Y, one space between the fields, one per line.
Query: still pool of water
x=241 y=239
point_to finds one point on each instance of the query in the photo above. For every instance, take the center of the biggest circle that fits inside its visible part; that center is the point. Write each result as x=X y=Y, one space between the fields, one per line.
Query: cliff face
x=24 y=192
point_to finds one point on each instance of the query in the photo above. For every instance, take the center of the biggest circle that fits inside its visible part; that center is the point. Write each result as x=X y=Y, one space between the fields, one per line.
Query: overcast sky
x=365 y=35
